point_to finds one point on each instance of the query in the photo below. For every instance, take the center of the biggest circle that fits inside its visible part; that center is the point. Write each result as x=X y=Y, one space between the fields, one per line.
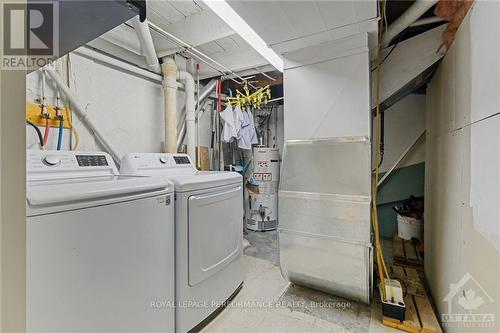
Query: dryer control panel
x=160 y=163
x=52 y=164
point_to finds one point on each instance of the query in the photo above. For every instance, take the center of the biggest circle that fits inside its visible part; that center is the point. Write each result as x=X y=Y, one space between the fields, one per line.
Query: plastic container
x=409 y=227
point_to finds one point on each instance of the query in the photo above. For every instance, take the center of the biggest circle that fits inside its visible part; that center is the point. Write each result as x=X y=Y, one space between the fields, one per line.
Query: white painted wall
x=404 y=121
x=462 y=233
x=127 y=108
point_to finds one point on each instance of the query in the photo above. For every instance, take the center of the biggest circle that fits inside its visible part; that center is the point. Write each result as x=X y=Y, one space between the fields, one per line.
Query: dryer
x=208 y=233
x=100 y=246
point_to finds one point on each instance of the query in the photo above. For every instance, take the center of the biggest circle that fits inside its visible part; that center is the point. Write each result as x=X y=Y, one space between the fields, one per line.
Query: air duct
x=412 y=14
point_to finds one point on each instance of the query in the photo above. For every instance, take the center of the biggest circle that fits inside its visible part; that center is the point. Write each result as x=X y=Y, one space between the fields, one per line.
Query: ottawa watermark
x=466 y=302
x=30 y=38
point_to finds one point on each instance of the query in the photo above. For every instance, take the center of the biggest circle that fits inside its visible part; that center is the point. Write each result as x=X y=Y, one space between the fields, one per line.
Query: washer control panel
x=157 y=163
x=61 y=164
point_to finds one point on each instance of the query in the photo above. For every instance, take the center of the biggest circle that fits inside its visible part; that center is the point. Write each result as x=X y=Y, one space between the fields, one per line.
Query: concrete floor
x=268 y=303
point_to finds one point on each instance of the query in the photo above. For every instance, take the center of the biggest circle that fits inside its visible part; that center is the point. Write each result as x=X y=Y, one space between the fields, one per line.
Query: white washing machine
x=100 y=247
x=208 y=233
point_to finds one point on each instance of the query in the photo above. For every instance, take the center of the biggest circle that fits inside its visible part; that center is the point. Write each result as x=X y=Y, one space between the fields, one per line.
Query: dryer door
x=215 y=229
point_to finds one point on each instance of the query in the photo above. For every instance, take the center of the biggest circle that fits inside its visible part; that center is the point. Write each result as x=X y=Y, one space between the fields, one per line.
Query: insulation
x=454 y=12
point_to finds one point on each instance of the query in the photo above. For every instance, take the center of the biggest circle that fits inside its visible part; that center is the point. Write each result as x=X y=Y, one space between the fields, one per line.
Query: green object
x=402 y=183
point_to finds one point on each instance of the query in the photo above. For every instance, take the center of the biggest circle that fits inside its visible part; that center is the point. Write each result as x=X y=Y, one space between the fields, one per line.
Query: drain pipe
x=412 y=14
x=169 y=83
x=81 y=113
x=147 y=46
x=190 y=113
x=204 y=94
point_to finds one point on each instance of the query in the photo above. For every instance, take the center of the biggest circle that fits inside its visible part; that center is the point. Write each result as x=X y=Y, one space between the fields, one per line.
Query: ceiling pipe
x=412 y=14
x=147 y=46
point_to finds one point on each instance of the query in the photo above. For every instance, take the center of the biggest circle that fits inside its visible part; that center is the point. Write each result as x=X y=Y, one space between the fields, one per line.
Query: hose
x=47 y=131
x=60 y=134
x=38 y=132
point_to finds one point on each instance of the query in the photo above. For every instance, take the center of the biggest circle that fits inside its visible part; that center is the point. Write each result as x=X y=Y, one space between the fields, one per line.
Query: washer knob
x=51 y=160
x=163 y=160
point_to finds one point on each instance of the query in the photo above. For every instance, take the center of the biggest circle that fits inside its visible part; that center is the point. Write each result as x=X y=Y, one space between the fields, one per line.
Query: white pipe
x=427 y=20
x=169 y=69
x=190 y=112
x=81 y=113
x=147 y=46
x=416 y=10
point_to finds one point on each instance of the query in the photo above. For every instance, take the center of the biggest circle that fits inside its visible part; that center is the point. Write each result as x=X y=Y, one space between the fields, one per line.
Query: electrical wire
x=60 y=134
x=38 y=132
x=47 y=131
x=76 y=143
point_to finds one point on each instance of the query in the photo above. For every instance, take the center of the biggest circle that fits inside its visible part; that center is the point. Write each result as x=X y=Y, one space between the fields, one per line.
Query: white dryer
x=208 y=233
x=100 y=247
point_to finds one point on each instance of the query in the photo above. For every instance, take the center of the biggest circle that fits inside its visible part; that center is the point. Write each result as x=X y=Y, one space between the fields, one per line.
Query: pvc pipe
x=81 y=113
x=190 y=112
x=204 y=94
x=169 y=69
x=416 y=10
x=147 y=46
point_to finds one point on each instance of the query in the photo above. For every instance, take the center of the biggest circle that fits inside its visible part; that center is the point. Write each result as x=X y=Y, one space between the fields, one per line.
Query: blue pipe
x=60 y=136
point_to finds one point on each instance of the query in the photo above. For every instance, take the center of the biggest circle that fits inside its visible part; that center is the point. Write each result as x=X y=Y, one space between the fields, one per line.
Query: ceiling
x=284 y=25
x=194 y=23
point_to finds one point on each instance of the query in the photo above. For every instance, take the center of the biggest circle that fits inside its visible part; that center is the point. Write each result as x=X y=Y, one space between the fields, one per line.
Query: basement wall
x=127 y=108
x=462 y=215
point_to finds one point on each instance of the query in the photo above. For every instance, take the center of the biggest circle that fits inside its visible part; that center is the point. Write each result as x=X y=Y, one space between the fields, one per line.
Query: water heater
x=262 y=214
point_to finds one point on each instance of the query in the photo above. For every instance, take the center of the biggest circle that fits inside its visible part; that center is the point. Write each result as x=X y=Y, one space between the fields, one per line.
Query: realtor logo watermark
x=30 y=37
x=466 y=301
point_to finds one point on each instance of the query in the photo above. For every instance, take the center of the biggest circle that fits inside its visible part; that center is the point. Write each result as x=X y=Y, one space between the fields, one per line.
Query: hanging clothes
x=247 y=133
x=239 y=121
x=229 y=133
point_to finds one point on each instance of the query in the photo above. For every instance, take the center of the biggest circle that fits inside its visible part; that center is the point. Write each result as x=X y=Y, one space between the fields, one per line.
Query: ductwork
x=147 y=46
x=412 y=14
x=81 y=113
x=169 y=83
x=190 y=113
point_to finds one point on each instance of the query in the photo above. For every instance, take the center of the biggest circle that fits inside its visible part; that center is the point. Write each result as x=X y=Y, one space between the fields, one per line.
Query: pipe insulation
x=147 y=46
x=204 y=94
x=412 y=14
x=81 y=113
x=169 y=83
x=190 y=113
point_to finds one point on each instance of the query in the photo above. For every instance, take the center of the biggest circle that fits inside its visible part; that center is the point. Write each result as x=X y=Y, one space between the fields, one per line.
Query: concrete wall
x=126 y=107
x=462 y=178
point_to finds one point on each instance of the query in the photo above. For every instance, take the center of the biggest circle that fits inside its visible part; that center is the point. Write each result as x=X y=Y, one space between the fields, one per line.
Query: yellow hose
x=76 y=142
x=382 y=269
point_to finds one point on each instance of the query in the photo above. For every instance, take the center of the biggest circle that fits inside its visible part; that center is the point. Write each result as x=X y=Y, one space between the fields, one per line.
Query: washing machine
x=100 y=246
x=208 y=234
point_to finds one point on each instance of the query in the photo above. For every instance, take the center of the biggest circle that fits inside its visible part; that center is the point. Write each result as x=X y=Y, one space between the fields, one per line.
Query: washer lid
x=204 y=179
x=54 y=192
